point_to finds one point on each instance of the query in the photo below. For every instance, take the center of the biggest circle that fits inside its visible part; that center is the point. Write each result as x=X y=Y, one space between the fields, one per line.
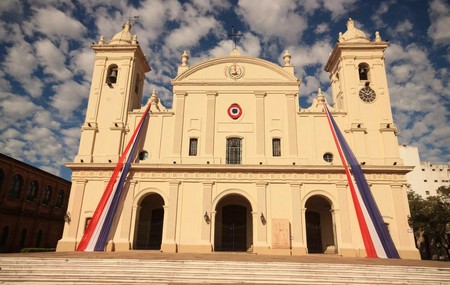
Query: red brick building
x=33 y=205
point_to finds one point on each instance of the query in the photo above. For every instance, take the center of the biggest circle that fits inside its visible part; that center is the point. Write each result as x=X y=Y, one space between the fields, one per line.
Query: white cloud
x=55 y=24
x=268 y=18
x=14 y=107
x=68 y=97
x=189 y=35
x=403 y=29
x=322 y=28
x=439 y=30
x=52 y=59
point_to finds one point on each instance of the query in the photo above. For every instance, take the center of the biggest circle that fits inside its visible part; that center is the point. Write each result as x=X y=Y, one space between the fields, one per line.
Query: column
x=123 y=242
x=260 y=124
x=179 y=121
x=210 y=123
x=75 y=227
x=260 y=224
x=343 y=224
x=206 y=208
x=298 y=245
x=291 y=104
x=170 y=219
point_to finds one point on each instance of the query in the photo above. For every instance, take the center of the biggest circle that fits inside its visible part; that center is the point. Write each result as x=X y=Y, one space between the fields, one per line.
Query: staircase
x=30 y=270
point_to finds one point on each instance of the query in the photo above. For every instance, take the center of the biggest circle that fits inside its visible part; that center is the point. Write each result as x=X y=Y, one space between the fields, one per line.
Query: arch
x=16 y=187
x=112 y=74
x=143 y=193
x=149 y=222
x=320 y=234
x=363 y=71
x=233 y=223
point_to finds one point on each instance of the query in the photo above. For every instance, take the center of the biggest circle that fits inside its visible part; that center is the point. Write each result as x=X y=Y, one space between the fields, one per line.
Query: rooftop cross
x=234 y=35
x=131 y=17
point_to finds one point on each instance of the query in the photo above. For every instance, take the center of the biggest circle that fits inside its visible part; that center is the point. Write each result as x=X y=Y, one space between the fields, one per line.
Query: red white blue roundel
x=234 y=111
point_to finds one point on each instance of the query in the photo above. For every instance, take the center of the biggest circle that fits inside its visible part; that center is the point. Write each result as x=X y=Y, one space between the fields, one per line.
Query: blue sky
x=46 y=61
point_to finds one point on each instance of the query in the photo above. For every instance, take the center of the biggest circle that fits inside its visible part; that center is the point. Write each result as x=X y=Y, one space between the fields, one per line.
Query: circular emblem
x=235 y=71
x=234 y=111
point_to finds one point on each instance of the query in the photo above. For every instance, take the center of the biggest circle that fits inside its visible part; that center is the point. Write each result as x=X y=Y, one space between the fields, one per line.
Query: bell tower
x=359 y=89
x=116 y=89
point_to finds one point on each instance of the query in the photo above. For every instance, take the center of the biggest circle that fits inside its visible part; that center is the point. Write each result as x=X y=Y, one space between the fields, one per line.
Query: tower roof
x=353 y=34
x=124 y=36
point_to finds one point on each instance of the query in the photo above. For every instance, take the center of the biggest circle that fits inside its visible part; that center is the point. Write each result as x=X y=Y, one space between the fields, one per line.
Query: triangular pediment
x=236 y=70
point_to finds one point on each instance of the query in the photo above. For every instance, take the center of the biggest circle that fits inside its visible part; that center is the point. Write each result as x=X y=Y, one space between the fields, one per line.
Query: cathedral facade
x=235 y=164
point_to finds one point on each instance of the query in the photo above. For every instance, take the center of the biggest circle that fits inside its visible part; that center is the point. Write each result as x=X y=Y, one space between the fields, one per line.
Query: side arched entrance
x=319 y=225
x=150 y=220
x=233 y=224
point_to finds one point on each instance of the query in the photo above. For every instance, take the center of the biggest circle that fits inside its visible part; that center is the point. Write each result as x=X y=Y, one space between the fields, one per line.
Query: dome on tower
x=123 y=37
x=352 y=34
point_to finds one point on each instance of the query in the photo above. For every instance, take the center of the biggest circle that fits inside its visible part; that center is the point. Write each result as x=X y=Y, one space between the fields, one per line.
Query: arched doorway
x=150 y=220
x=233 y=224
x=319 y=224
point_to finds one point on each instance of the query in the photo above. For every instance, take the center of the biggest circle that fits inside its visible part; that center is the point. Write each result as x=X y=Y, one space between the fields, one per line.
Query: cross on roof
x=234 y=35
x=135 y=17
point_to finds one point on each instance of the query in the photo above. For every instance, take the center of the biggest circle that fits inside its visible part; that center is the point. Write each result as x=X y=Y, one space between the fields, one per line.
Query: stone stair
x=29 y=270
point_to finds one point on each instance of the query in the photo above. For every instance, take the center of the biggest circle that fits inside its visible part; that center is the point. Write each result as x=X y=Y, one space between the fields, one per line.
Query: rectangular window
x=233 y=155
x=193 y=142
x=276 y=147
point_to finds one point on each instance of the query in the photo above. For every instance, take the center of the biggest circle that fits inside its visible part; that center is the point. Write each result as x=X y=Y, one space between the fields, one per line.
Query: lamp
x=263 y=219
x=67 y=217
x=206 y=217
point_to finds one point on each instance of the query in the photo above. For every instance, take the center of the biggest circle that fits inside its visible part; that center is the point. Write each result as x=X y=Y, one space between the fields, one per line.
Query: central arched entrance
x=150 y=223
x=319 y=225
x=233 y=224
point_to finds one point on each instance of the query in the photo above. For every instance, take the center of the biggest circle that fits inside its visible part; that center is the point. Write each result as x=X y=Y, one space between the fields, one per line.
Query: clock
x=367 y=94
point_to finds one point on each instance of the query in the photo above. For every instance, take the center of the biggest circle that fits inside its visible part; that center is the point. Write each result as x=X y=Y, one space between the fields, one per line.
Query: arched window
x=33 y=191
x=48 y=195
x=4 y=236
x=363 y=71
x=234 y=151
x=16 y=187
x=60 y=201
x=111 y=75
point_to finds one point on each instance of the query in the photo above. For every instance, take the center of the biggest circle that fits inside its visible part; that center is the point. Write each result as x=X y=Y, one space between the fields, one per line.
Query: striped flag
x=96 y=235
x=377 y=240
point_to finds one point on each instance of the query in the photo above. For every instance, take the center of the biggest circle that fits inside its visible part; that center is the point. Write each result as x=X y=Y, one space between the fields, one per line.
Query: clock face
x=367 y=94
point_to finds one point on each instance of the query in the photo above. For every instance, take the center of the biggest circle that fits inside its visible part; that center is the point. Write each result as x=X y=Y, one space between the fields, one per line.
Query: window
x=16 y=187
x=32 y=192
x=143 y=155
x=363 y=71
x=112 y=74
x=425 y=180
x=328 y=157
x=60 y=201
x=86 y=225
x=193 y=142
x=427 y=192
x=48 y=195
x=2 y=178
x=276 y=147
x=233 y=151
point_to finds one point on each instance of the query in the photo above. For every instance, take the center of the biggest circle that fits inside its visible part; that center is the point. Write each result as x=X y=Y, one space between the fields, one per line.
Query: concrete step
x=133 y=271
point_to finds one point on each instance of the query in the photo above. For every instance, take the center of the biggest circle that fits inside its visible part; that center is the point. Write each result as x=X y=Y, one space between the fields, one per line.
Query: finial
x=134 y=40
x=341 y=38
x=154 y=98
x=102 y=40
x=287 y=58
x=377 y=37
x=320 y=97
x=184 y=59
x=127 y=26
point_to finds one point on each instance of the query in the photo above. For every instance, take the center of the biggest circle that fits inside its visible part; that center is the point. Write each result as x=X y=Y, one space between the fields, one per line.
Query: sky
x=46 y=59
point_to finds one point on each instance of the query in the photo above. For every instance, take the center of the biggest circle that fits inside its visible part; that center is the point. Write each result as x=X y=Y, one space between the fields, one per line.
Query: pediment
x=236 y=70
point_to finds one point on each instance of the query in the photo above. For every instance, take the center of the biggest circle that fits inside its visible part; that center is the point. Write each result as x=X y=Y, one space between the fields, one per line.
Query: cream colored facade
x=236 y=165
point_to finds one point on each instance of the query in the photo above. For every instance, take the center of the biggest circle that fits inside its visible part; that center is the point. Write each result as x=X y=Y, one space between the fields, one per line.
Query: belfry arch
x=320 y=232
x=233 y=224
x=149 y=222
